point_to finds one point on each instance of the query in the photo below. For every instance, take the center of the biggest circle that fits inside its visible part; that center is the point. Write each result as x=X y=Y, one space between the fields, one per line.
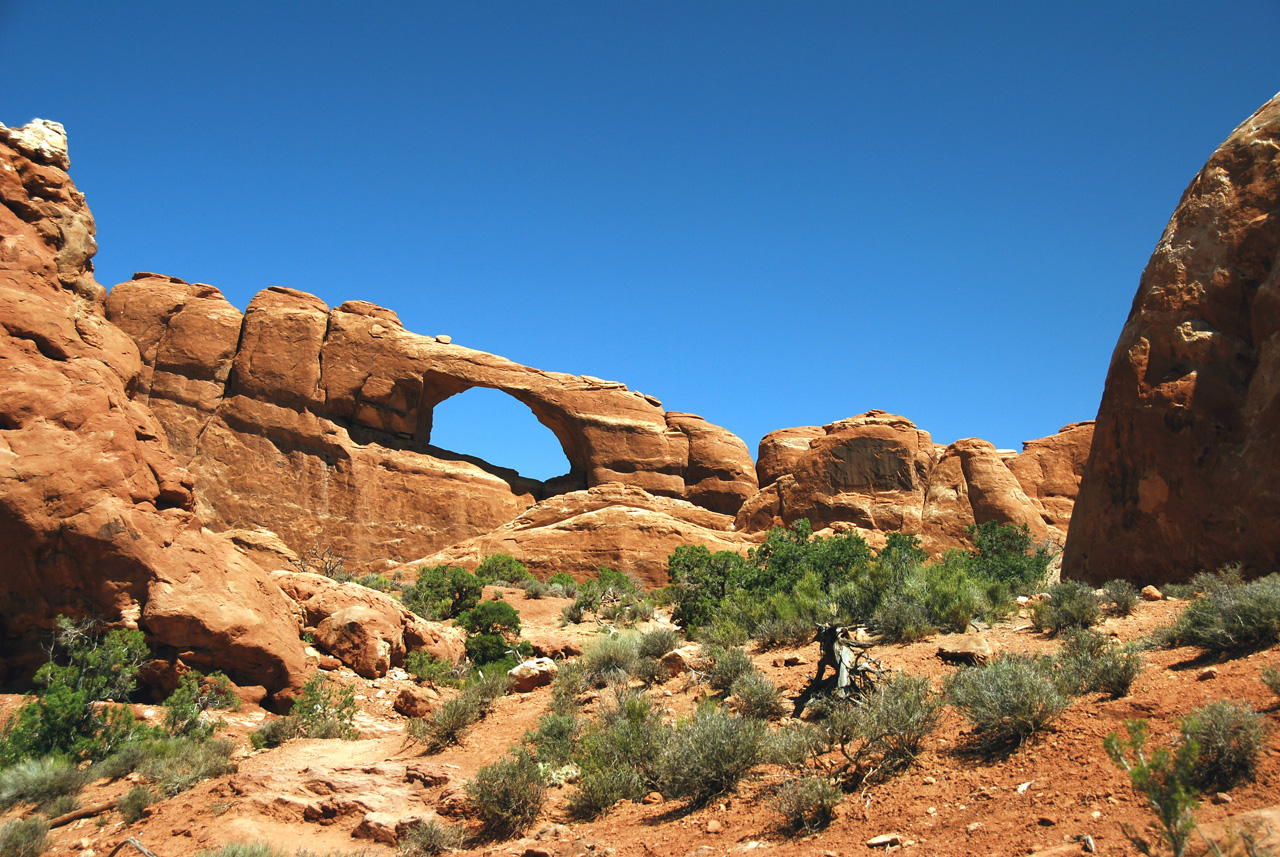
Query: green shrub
x=700 y=580
x=722 y=633
x=491 y=617
x=1164 y=779
x=569 y=682
x=1229 y=736
x=275 y=732
x=176 y=764
x=656 y=643
x=727 y=665
x=41 y=781
x=619 y=757
x=487 y=688
x=793 y=745
x=707 y=756
x=884 y=732
x=565 y=580
x=185 y=707
x=556 y=739
x=1121 y=596
x=133 y=803
x=1005 y=553
x=757 y=696
x=610 y=659
x=1233 y=619
x=442 y=592
x=28 y=837
x=571 y=614
x=1090 y=663
x=788 y=630
x=426 y=668
x=1007 y=699
x=447 y=724
x=535 y=589
x=1071 y=604
x=807 y=805
x=508 y=795
x=86 y=667
x=427 y=839
x=900 y=620
x=61 y=805
x=501 y=566
x=324 y=711
x=1270 y=676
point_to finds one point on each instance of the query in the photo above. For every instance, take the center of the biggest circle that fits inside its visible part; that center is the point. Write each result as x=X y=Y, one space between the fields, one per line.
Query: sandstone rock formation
x=96 y=516
x=336 y=404
x=366 y=630
x=612 y=526
x=1182 y=474
x=878 y=473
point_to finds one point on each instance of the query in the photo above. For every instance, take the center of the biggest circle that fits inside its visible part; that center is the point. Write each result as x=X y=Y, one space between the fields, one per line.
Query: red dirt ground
x=315 y=794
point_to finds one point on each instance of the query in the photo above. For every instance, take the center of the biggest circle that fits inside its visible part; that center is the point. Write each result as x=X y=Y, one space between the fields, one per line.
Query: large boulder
x=1182 y=473
x=365 y=629
x=337 y=403
x=613 y=526
x=96 y=515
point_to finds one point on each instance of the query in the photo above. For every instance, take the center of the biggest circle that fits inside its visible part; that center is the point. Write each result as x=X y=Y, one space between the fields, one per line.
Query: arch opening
x=502 y=431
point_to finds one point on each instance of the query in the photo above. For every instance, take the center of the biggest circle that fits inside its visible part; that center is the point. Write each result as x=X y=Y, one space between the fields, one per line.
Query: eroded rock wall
x=1182 y=473
x=96 y=515
x=315 y=423
x=878 y=473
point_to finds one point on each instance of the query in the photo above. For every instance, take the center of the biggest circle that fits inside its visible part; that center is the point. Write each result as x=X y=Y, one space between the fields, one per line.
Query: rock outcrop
x=96 y=516
x=611 y=526
x=1182 y=474
x=878 y=473
x=336 y=404
x=366 y=630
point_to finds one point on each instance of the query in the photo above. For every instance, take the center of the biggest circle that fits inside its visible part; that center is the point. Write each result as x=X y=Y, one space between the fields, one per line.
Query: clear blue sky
x=769 y=214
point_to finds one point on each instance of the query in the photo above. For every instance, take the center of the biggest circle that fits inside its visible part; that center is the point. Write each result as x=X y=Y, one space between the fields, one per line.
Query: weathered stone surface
x=780 y=451
x=1050 y=469
x=414 y=702
x=96 y=516
x=532 y=674
x=965 y=648
x=1182 y=474
x=877 y=473
x=337 y=405
x=870 y=470
x=365 y=629
x=613 y=526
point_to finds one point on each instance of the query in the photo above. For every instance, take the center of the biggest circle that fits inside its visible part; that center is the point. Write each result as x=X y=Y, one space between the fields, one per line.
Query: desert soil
x=343 y=796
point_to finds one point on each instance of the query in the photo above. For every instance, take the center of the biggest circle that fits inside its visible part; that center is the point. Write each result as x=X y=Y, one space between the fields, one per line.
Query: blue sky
x=769 y=214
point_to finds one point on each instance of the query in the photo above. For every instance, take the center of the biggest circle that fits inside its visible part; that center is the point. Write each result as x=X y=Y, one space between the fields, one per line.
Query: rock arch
x=336 y=406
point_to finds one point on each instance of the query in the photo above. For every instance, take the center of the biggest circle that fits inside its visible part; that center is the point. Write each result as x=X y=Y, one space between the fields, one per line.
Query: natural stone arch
x=568 y=477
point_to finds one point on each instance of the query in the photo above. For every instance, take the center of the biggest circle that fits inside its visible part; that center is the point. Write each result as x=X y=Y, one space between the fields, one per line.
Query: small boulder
x=884 y=840
x=679 y=660
x=413 y=702
x=532 y=674
x=1150 y=593
x=965 y=649
x=360 y=638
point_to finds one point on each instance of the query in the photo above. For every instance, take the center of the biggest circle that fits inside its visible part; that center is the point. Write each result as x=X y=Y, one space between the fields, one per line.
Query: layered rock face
x=96 y=516
x=878 y=473
x=1182 y=475
x=611 y=526
x=336 y=406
